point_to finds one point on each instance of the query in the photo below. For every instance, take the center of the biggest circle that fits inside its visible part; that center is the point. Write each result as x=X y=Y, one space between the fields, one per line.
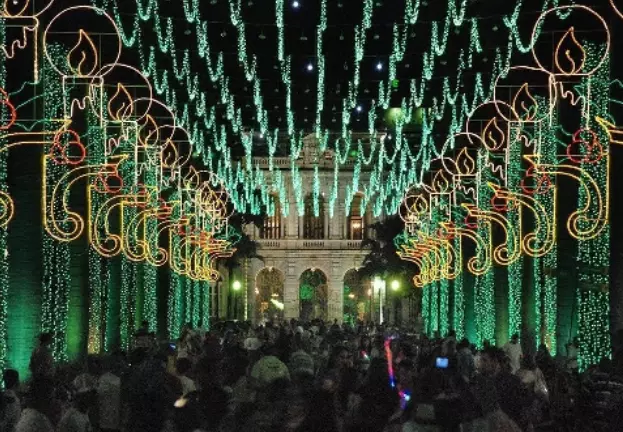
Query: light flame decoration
x=493 y=136
x=524 y=104
x=83 y=59
x=570 y=56
x=120 y=106
x=465 y=164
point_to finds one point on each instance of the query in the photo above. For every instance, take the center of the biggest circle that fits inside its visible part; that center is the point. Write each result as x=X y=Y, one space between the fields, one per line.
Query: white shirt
x=514 y=353
x=109 y=399
x=75 y=421
x=33 y=421
x=252 y=344
x=188 y=385
x=12 y=411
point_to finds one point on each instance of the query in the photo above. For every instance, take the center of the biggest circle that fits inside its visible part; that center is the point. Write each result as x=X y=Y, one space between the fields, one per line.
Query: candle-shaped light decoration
x=493 y=136
x=120 y=106
x=524 y=104
x=570 y=56
x=83 y=58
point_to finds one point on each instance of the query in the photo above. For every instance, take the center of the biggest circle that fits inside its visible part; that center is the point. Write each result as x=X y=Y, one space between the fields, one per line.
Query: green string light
x=182 y=71
x=594 y=255
x=458 y=305
x=515 y=269
x=484 y=298
x=4 y=263
x=56 y=256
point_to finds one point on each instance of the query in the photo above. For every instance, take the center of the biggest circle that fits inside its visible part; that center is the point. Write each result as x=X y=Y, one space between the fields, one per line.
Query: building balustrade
x=302 y=244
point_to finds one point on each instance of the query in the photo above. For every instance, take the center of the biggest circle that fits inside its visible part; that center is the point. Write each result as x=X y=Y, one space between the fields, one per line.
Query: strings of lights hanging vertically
x=4 y=252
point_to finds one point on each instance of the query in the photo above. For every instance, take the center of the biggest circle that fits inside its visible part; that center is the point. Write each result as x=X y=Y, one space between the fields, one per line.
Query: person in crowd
x=572 y=356
x=109 y=395
x=143 y=338
x=376 y=400
x=507 y=392
x=300 y=359
x=466 y=365
x=41 y=360
x=448 y=348
x=183 y=367
x=76 y=418
x=10 y=404
x=214 y=401
x=150 y=397
x=40 y=409
x=405 y=374
x=322 y=416
x=514 y=353
x=268 y=369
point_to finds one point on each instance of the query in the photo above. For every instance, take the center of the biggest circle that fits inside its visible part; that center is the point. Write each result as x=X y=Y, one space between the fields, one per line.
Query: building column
x=337 y=224
x=327 y=219
x=336 y=297
x=291 y=292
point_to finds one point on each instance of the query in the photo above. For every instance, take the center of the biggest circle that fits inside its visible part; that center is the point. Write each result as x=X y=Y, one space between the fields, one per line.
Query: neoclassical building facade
x=307 y=259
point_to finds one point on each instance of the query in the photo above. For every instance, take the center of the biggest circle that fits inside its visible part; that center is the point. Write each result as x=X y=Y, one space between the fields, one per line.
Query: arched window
x=313 y=227
x=271 y=230
x=356 y=220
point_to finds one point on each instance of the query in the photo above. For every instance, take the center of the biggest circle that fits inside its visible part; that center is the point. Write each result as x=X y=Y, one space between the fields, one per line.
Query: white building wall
x=292 y=254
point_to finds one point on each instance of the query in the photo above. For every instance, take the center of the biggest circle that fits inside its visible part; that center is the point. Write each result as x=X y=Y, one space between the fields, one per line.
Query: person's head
x=11 y=379
x=515 y=338
x=183 y=366
x=452 y=334
x=492 y=361
x=340 y=358
x=45 y=339
x=144 y=324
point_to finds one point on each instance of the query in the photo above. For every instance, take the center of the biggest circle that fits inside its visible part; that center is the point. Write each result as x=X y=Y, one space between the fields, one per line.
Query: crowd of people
x=312 y=376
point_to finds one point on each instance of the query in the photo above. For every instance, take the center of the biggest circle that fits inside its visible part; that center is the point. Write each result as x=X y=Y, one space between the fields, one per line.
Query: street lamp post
x=379 y=289
x=236 y=286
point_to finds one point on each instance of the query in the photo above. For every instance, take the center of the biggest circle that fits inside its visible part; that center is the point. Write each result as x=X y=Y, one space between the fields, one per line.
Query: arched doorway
x=356 y=298
x=313 y=295
x=269 y=295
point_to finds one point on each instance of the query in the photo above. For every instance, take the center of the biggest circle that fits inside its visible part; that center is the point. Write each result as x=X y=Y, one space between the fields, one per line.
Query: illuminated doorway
x=269 y=295
x=313 y=294
x=356 y=297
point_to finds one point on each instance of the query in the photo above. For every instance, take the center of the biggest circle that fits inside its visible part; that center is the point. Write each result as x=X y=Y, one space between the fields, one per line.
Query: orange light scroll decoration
x=542 y=239
x=58 y=201
x=101 y=237
x=579 y=224
x=477 y=265
x=509 y=250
